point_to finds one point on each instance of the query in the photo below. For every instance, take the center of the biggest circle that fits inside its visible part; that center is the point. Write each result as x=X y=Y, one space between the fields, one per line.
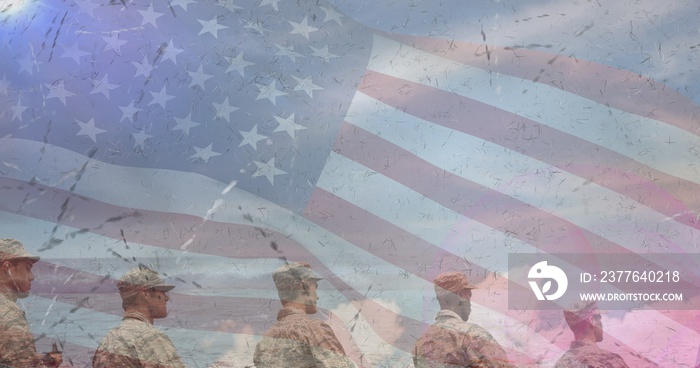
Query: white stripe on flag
x=501 y=169
x=636 y=137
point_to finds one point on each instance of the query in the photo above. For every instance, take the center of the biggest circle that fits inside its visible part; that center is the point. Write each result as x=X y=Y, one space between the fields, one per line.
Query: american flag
x=383 y=143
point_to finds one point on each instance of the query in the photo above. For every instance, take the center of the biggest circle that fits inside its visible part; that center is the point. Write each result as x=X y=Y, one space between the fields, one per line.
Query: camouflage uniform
x=586 y=354
x=136 y=343
x=300 y=342
x=17 y=347
x=295 y=340
x=451 y=343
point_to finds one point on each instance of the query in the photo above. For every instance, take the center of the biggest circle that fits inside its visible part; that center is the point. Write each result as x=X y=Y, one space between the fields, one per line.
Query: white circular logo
x=543 y=271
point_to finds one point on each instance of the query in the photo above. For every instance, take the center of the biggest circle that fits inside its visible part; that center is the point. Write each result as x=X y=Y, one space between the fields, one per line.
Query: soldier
x=452 y=342
x=136 y=342
x=585 y=322
x=17 y=348
x=296 y=340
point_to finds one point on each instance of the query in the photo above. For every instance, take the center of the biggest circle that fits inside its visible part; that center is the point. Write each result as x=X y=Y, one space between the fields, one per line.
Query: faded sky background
x=657 y=40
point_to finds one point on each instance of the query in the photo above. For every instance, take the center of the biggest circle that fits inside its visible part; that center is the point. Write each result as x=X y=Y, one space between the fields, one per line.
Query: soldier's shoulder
x=569 y=360
x=474 y=330
x=5 y=301
x=8 y=306
x=317 y=324
x=585 y=357
x=131 y=330
x=619 y=362
x=606 y=359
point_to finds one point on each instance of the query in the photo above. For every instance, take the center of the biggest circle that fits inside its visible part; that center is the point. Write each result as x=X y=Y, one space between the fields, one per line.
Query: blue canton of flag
x=246 y=91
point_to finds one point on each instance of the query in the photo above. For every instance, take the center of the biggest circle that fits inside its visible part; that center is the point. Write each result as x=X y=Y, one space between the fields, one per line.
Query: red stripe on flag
x=497 y=210
x=520 y=220
x=618 y=88
x=666 y=194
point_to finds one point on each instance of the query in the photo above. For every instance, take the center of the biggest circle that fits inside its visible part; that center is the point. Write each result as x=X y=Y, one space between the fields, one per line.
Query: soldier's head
x=143 y=290
x=585 y=321
x=15 y=268
x=297 y=284
x=454 y=293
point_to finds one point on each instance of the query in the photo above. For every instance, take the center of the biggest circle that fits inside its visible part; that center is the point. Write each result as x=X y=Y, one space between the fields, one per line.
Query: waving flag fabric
x=214 y=140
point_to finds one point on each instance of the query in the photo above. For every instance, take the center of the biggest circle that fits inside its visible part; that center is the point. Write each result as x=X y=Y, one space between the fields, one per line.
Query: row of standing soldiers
x=295 y=340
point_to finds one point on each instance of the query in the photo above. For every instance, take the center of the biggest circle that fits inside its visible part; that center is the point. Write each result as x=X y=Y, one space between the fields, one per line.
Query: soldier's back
x=300 y=342
x=589 y=355
x=17 y=348
x=136 y=344
x=452 y=343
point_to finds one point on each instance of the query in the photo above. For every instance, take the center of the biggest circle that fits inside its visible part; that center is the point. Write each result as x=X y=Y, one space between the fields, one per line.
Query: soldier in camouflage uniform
x=585 y=322
x=295 y=340
x=136 y=343
x=452 y=342
x=17 y=348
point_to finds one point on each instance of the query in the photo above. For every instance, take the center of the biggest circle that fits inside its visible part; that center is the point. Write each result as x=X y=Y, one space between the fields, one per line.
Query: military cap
x=143 y=277
x=289 y=274
x=13 y=249
x=580 y=311
x=453 y=281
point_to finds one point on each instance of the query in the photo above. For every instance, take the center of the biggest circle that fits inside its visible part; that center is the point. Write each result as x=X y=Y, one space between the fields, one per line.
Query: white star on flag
x=302 y=28
x=270 y=92
x=169 y=52
x=150 y=16
x=185 y=124
x=143 y=68
x=224 y=110
x=128 y=111
x=211 y=26
x=89 y=129
x=102 y=86
x=306 y=85
x=268 y=170
x=58 y=90
x=323 y=53
x=238 y=64
x=251 y=137
x=114 y=43
x=332 y=15
x=255 y=26
x=27 y=64
x=205 y=153
x=17 y=110
x=161 y=98
x=140 y=138
x=288 y=125
x=288 y=52
x=198 y=78
x=74 y=52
